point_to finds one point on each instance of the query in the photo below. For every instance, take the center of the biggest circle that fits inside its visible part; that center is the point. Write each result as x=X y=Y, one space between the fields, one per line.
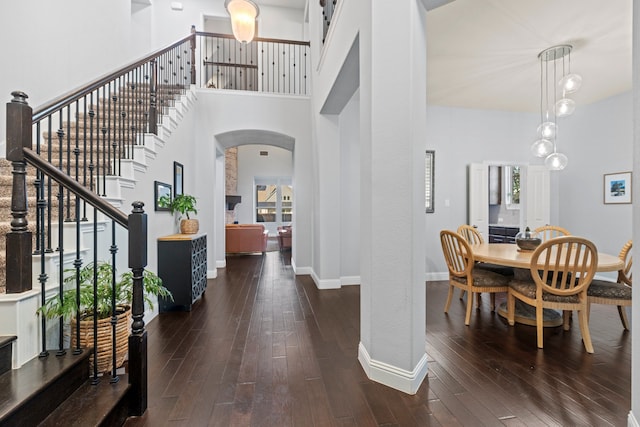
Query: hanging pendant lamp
x=555 y=78
x=243 y=15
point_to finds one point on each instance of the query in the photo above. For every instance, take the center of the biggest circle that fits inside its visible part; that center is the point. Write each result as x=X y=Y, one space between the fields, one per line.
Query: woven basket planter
x=189 y=226
x=105 y=339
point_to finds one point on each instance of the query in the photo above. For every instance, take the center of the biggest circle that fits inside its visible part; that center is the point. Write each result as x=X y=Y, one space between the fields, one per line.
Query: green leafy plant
x=183 y=203
x=67 y=305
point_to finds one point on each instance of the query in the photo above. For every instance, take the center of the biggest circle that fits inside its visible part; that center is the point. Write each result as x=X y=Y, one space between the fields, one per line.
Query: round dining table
x=509 y=255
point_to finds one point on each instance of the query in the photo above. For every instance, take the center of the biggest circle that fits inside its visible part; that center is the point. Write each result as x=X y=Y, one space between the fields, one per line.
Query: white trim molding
x=325 y=283
x=406 y=381
x=632 y=421
x=349 y=280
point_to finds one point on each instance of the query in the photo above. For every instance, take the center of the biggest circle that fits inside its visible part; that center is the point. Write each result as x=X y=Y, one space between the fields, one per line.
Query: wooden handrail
x=68 y=98
x=256 y=39
x=72 y=185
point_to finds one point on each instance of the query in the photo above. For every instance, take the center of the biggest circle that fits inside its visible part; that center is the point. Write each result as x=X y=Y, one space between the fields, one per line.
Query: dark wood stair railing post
x=138 y=337
x=193 y=54
x=153 y=97
x=18 y=246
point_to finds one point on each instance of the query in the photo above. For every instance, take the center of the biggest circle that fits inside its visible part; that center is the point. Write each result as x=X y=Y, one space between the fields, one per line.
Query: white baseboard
x=325 y=283
x=300 y=271
x=632 y=421
x=212 y=274
x=405 y=381
x=221 y=264
x=349 y=280
x=432 y=277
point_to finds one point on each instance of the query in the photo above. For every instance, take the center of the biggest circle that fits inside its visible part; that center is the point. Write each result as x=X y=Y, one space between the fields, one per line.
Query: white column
x=393 y=132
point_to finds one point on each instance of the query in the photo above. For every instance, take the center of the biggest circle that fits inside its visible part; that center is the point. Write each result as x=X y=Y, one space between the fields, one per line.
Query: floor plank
x=266 y=348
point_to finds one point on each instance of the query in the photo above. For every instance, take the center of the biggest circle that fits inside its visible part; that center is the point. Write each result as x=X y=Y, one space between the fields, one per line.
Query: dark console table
x=182 y=266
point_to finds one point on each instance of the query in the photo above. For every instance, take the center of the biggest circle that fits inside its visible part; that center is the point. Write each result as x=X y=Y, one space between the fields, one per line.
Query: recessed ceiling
x=484 y=53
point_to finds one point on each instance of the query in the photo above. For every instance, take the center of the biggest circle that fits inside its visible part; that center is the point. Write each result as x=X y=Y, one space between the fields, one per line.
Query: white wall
x=170 y=25
x=49 y=48
x=349 y=123
x=598 y=139
x=279 y=163
x=226 y=111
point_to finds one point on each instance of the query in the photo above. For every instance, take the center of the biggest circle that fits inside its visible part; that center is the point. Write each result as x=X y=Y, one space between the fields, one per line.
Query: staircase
x=56 y=390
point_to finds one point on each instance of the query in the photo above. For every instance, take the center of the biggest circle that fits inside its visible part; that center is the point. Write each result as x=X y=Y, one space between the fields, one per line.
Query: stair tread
x=90 y=405
x=6 y=339
x=19 y=387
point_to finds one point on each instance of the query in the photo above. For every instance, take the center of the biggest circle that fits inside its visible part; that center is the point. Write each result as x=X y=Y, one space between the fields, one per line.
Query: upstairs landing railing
x=263 y=65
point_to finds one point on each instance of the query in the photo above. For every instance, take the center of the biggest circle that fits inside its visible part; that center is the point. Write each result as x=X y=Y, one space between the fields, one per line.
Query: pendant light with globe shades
x=554 y=61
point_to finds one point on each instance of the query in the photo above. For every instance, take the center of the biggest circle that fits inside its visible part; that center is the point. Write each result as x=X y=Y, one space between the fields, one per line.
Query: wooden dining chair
x=473 y=237
x=615 y=293
x=562 y=270
x=547 y=232
x=470 y=234
x=463 y=274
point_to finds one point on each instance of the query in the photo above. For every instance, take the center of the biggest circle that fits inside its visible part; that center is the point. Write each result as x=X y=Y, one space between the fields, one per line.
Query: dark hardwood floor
x=265 y=348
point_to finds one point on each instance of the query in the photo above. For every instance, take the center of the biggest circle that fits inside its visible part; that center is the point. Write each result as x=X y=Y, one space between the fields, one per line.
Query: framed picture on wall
x=617 y=188
x=161 y=189
x=178 y=178
x=429 y=163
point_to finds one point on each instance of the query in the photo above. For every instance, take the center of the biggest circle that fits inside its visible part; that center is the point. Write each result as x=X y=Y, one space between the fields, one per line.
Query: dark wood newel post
x=138 y=337
x=18 y=246
x=193 y=54
x=153 y=98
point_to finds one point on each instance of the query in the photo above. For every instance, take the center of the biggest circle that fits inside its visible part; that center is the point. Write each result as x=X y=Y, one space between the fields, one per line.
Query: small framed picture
x=178 y=178
x=429 y=178
x=617 y=188
x=161 y=189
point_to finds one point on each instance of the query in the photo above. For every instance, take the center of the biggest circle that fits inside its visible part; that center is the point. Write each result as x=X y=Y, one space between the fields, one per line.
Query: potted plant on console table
x=185 y=204
x=67 y=308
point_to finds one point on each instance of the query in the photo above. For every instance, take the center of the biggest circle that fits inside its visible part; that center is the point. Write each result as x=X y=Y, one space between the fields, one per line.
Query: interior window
x=512 y=186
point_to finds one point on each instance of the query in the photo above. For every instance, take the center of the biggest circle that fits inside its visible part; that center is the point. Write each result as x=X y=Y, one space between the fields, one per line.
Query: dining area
x=542 y=280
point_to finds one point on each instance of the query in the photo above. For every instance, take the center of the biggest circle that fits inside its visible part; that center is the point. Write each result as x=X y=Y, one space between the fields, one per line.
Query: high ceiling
x=295 y=4
x=484 y=53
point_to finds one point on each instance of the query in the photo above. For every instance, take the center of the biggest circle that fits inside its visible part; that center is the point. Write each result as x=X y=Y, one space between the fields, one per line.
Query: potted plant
x=67 y=307
x=185 y=204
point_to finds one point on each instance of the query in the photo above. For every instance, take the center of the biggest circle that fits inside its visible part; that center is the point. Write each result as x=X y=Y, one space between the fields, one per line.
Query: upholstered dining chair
x=615 y=293
x=463 y=274
x=562 y=270
x=547 y=232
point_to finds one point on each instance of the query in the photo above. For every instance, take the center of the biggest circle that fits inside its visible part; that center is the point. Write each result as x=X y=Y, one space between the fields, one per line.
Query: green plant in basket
x=182 y=203
x=66 y=306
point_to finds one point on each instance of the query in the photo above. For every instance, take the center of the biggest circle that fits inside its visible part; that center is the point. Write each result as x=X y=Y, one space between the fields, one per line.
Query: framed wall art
x=617 y=188
x=429 y=173
x=161 y=189
x=178 y=178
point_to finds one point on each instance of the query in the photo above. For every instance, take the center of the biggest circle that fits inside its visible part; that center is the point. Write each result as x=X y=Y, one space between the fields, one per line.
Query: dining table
x=510 y=255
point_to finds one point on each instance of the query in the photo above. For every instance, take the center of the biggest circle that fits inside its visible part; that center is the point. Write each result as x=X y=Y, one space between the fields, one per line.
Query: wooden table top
x=507 y=254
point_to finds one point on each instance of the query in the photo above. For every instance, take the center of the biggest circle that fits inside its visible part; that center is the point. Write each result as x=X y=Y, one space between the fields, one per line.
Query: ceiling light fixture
x=555 y=76
x=243 y=15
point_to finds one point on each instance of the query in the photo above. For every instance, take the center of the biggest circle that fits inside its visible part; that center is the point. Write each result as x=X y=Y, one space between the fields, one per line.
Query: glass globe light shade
x=565 y=107
x=542 y=147
x=547 y=130
x=570 y=83
x=556 y=161
x=243 y=18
